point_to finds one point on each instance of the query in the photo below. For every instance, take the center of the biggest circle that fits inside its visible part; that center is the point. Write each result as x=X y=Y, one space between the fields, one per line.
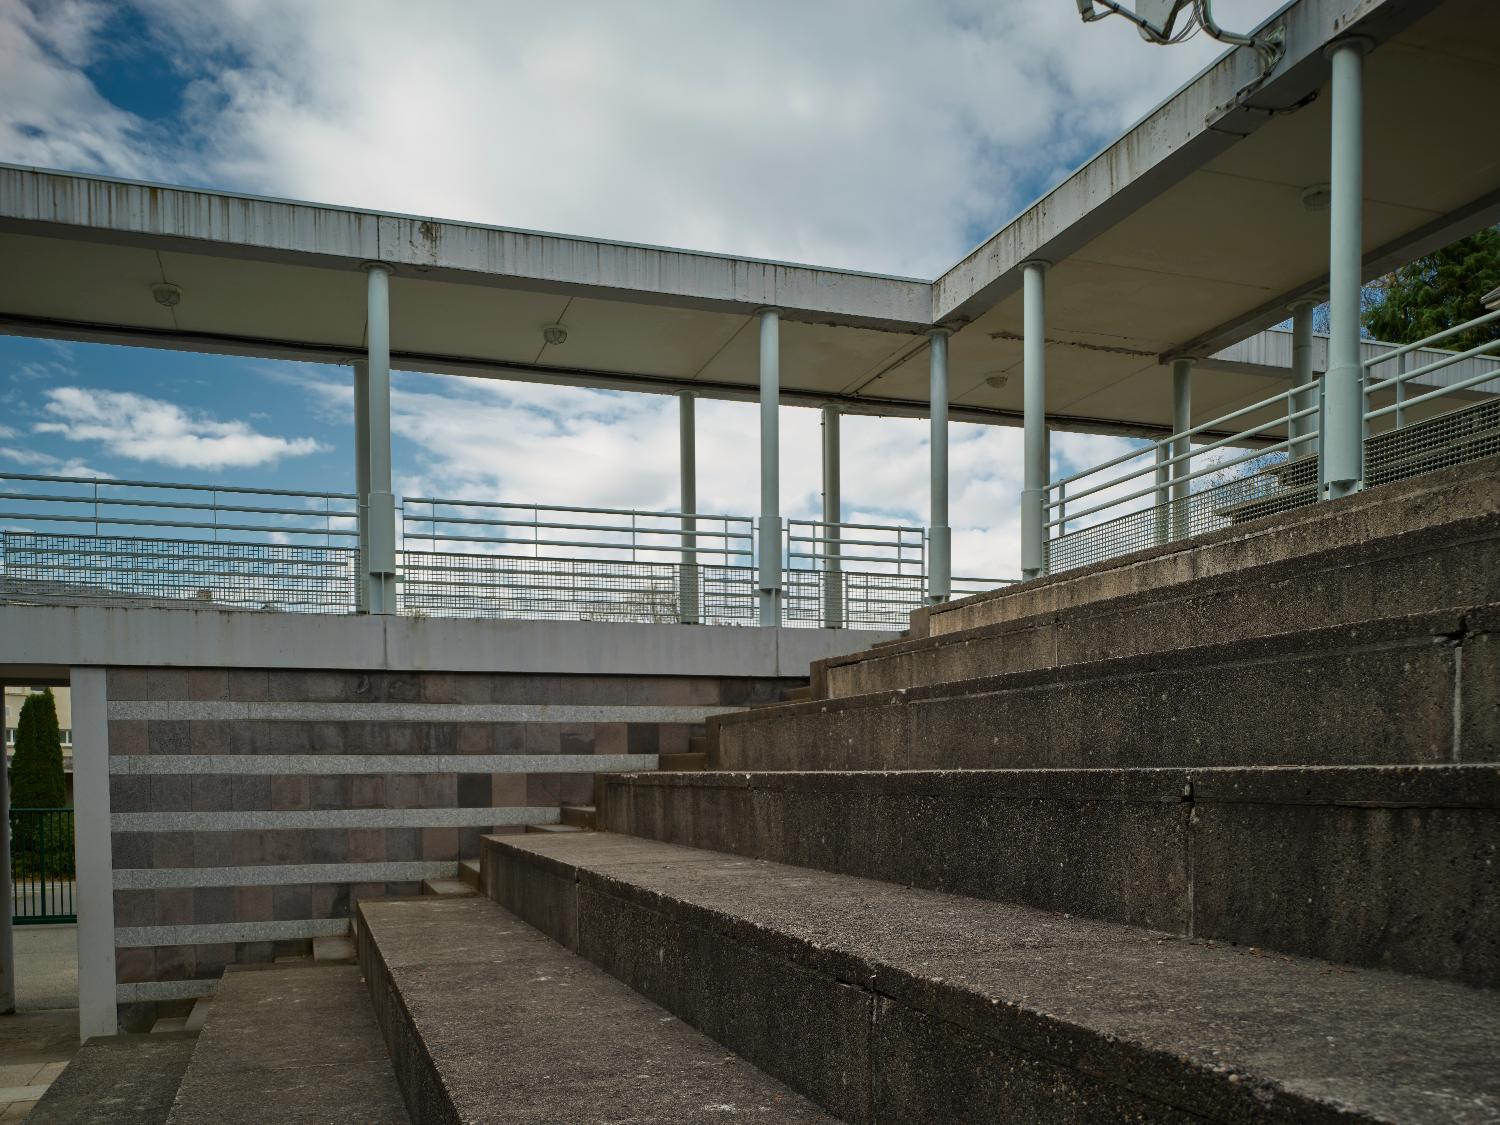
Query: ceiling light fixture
x=996 y=379
x=166 y=294
x=1316 y=198
x=555 y=333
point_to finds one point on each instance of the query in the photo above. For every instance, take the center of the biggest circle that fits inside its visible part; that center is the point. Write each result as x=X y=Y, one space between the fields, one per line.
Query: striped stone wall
x=250 y=808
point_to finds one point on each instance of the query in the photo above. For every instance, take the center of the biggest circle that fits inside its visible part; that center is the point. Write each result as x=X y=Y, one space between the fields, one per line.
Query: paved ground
x=37 y=1042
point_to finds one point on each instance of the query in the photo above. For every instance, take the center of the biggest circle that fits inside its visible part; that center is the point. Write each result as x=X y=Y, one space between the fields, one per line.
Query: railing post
x=7 y=897
x=97 y=1014
x=1034 y=419
x=1342 y=450
x=380 y=524
x=1182 y=446
x=1301 y=429
x=1401 y=366
x=833 y=515
x=362 y=483
x=940 y=533
x=769 y=580
x=687 y=461
x=1161 y=520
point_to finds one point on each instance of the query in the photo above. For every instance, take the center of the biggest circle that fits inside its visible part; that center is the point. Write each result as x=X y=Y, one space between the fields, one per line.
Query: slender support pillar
x=1403 y=364
x=1034 y=421
x=1182 y=420
x=833 y=515
x=687 y=460
x=95 y=892
x=7 y=897
x=1343 y=422
x=380 y=519
x=1301 y=429
x=940 y=533
x=362 y=479
x=769 y=563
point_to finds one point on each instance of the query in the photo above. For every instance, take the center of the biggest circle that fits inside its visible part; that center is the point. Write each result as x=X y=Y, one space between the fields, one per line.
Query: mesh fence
x=851 y=599
x=1459 y=436
x=443 y=584
x=281 y=577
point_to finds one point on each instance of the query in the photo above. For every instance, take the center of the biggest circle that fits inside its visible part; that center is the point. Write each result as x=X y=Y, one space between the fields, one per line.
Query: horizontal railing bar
x=899 y=528
x=119 y=521
x=115 y=482
x=305 y=513
x=1073 y=497
x=550 y=526
x=1073 y=517
x=571 y=508
x=662 y=548
x=1457 y=357
x=1404 y=349
x=1409 y=403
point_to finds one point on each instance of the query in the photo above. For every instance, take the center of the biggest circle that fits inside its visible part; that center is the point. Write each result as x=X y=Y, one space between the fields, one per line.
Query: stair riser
x=1429 y=501
x=1414 y=574
x=909 y=1050
x=1387 y=695
x=1388 y=868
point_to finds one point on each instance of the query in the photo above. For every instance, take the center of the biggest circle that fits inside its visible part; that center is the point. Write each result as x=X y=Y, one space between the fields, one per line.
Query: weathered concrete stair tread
x=694 y=760
x=492 y=1021
x=118 y=1080
x=1385 y=866
x=580 y=816
x=333 y=949
x=553 y=829
x=1420 y=571
x=447 y=887
x=296 y=1046
x=1429 y=500
x=1259 y=701
x=468 y=871
x=940 y=1007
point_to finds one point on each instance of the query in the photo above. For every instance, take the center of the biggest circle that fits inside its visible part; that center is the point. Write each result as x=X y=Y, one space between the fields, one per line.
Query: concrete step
x=334 y=950
x=199 y=1015
x=698 y=744
x=579 y=816
x=468 y=871
x=454 y=887
x=891 y=1004
x=553 y=829
x=1434 y=568
x=1413 y=689
x=489 y=1020
x=1413 y=507
x=296 y=1045
x=796 y=694
x=1383 y=866
x=118 y=1080
x=168 y=1024
x=691 y=761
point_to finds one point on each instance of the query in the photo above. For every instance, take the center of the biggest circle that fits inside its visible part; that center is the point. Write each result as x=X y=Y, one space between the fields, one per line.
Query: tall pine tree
x=36 y=771
x=1438 y=291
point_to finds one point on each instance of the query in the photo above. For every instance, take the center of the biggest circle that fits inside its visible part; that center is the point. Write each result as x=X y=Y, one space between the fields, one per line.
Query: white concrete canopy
x=1184 y=236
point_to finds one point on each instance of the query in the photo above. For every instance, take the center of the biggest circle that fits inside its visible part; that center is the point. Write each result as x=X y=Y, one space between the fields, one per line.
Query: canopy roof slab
x=1190 y=232
x=1184 y=236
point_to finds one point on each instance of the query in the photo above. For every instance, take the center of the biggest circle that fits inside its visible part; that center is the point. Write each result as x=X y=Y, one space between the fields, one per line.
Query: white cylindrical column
x=687 y=468
x=1034 y=419
x=380 y=522
x=940 y=533
x=1343 y=406
x=93 y=854
x=1182 y=447
x=1301 y=429
x=833 y=515
x=362 y=479
x=769 y=562
x=7 y=899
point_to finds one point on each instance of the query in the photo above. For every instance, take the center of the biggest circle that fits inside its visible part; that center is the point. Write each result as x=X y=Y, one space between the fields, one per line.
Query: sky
x=881 y=135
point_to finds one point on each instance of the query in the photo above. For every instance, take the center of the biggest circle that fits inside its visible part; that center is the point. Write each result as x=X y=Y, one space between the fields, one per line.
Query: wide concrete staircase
x=1211 y=832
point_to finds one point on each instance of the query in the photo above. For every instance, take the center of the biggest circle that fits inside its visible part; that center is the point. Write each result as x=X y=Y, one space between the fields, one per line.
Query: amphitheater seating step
x=468 y=871
x=294 y=1045
x=1312 y=697
x=689 y=761
x=118 y=1080
x=445 y=886
x=489 y=1020
x=553 y=829
x=886 y=1003
x=1386 y=866
x=580 y=816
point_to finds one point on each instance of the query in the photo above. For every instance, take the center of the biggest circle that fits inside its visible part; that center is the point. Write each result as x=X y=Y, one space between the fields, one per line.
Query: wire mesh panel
x=42 y=866
x=1461 y=435
x=447 y=584
x=866 y=601
x=285 y=577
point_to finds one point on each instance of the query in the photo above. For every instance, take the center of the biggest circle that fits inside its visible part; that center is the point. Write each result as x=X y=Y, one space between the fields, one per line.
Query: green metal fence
x=41 y=866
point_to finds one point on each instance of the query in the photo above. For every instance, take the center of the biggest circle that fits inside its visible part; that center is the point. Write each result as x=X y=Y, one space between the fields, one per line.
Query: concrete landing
x=118 y=1080
x=490 y=1021
x=293 y=1045
x=886 y=1003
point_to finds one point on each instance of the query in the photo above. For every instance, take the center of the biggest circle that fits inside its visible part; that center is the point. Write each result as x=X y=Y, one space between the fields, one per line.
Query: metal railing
x=1261 y=459
x=42 y=868
x=70 y=538
x=853 y=575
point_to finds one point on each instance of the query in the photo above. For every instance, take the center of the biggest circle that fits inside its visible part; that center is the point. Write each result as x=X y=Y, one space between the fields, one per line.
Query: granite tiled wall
x=249 y=809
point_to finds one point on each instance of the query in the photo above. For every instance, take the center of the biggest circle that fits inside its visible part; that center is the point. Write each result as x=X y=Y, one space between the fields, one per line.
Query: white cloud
x=145 y=429
x=49 y=465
